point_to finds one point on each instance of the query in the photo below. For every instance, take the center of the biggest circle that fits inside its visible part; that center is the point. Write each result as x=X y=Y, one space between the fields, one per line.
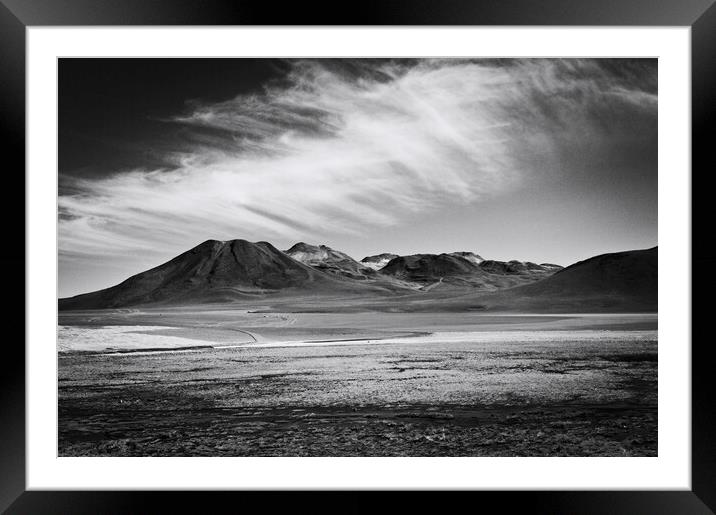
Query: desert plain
x=254 y=380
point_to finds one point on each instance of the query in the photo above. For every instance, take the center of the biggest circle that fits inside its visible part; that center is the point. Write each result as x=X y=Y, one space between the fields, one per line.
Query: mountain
x=378 y=261
x=310 y=277
x=428 y=267
x=463 y=269
x=620 y=281
x=211 y=271
x=331 y=261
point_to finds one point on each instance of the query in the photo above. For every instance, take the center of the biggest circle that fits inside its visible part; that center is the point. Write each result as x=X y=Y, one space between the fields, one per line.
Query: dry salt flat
x=227 y=386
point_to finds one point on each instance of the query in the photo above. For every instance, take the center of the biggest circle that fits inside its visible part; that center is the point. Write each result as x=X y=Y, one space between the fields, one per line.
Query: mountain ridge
x=232 y=270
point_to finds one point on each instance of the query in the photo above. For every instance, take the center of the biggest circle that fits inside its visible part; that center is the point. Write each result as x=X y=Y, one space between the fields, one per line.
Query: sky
x=546 y=160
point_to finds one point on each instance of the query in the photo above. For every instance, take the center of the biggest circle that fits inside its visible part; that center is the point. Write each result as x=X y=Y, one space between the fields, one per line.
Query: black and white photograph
x=325 y=257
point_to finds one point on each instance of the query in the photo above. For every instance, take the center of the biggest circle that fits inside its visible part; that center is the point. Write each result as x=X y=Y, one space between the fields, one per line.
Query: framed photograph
x=413 y=250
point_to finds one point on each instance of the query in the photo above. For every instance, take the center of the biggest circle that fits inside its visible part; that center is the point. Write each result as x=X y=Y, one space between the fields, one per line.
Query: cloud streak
x=342 y=147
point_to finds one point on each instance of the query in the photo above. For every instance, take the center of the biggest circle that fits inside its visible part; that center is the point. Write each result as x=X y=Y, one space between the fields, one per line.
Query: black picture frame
x=17 y=15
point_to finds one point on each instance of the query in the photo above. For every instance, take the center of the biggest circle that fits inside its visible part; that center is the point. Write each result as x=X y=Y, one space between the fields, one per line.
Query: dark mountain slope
x=621 y=281
x=632 y=273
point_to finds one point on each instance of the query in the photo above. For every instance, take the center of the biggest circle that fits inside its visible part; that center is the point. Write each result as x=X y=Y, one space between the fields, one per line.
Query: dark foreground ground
x=581 y=393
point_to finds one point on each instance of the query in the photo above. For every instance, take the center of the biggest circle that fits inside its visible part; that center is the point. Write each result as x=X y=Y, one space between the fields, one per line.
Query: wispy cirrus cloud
x=353 y=146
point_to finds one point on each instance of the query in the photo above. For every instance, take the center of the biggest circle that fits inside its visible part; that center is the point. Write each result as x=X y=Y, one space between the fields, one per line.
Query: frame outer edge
x=367 y=12
x=12 y=140
x=703 y=112
x=12 y=125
